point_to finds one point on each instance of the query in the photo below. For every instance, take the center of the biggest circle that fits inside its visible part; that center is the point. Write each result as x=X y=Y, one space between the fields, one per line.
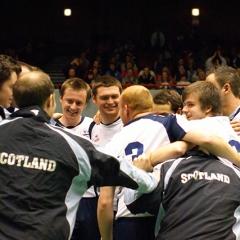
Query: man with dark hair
x=9 y=70
x=228 y=81
x=45 y=169
x=167 y=101
x=106 y=91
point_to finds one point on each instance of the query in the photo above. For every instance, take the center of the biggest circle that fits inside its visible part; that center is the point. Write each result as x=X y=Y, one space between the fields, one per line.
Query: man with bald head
x=45 y=170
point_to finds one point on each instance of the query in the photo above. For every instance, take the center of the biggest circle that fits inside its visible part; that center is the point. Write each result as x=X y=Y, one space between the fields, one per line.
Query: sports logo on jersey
x=85 y=133
x=96 y=138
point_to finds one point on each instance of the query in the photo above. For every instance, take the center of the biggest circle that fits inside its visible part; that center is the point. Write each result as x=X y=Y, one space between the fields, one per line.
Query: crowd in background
x=157 y=63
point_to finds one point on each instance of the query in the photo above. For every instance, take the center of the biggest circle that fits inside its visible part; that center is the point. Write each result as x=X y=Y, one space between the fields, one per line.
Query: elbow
x=209 y=140
x=180 y=150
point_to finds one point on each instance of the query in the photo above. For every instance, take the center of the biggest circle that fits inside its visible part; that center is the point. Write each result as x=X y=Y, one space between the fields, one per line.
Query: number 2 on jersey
x=134 y=149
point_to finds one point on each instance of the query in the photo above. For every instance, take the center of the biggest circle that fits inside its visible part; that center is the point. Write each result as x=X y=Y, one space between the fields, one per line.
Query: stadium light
x=67 y=12
x=195 y=12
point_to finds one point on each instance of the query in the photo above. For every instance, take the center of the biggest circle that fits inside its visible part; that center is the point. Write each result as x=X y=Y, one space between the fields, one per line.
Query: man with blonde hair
x=196 y=177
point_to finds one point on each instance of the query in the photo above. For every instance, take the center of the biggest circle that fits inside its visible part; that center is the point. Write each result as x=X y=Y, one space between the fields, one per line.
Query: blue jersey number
x=134 y=149
x=235 y=144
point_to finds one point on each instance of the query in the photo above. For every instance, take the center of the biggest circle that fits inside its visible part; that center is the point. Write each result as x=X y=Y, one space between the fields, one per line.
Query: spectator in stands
x=216 y=60
x=146 y=70
x=72 y=73
x=129 y=65
x=128 y=58
x=176 y=65
x=201 y=75
x=182 y=84
x=157 y=39
x=181 y=73
x=147 y=77
x=130 y=78
x=81 y=64
x=165 y=79
x=180 y=45
x=113 y=71
x=191 y=69
x=159 y=64
x=97 y=64
x=93 y=74
x=89 y=77
x=118 y=61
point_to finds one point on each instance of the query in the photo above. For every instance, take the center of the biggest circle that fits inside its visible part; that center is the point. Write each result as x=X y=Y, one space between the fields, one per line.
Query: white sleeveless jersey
x=145 y=134
x=102 y=134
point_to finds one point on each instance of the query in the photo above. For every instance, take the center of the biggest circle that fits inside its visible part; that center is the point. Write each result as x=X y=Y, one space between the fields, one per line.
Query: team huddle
x=150 y=167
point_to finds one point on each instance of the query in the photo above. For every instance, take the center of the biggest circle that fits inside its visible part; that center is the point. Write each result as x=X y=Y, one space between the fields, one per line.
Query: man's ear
x=226 y=88
x=50 y=101
x=93 y=99
x=127 y=109
x=179 y=111
x=208 y=110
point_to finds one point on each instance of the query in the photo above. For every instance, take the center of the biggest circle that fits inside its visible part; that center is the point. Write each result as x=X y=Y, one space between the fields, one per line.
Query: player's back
x=145 y=134
x=201 y=199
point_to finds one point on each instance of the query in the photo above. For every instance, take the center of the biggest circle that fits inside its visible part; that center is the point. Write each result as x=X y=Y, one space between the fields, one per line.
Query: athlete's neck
x=109 y=119
x=68 y=122
x=141 y=115
x=230 y=105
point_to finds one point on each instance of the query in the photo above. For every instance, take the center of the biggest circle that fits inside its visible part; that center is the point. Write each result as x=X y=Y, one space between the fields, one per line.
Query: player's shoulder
x=87 y=119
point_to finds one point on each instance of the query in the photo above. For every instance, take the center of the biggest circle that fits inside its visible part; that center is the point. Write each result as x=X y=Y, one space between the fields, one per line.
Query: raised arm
x=147 y=161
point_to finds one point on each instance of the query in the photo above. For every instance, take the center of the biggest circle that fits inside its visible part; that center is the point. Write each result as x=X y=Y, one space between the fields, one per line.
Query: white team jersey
x=220 y=126
x=81 y=128
x=235 y=115
x=102 y=134
x=145 y=134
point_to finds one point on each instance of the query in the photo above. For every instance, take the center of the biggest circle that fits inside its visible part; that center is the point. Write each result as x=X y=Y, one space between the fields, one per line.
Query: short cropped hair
x=225 y=74
x=7 y=66
x=76 y=84
x=168 y=96
x=138 y=98
x=208 y=94
x=29 y=67
x=105 y=81
x=32 y=88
